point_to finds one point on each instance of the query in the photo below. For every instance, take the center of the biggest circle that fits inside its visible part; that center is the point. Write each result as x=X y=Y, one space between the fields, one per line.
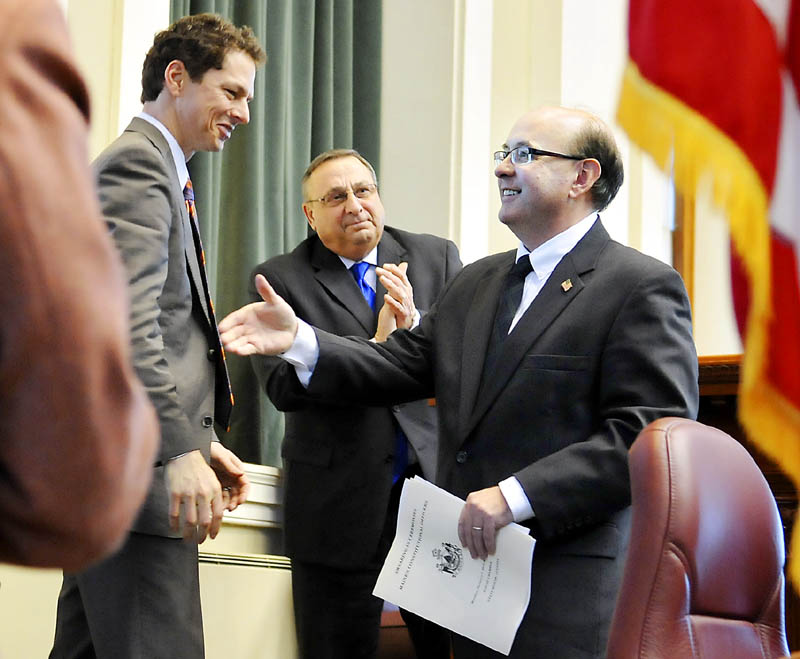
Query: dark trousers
x=338 y=617
x=336 y=614
x=142 y=602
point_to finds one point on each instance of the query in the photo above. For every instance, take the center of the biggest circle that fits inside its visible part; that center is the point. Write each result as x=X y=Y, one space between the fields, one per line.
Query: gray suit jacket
x=339 y=458
x=171 y=331
x=588 y=366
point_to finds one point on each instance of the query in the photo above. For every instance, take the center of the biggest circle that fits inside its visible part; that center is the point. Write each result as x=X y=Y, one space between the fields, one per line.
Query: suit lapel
x=193 y=265
x=330 y=272
x=477 y=332
x=552 y=300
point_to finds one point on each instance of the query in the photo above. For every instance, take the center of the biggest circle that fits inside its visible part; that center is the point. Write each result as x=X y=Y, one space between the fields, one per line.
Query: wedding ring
x=477 y=528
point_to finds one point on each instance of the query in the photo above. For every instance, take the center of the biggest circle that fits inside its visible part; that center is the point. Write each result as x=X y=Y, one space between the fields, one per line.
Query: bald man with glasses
x=546 y=361
x=344 y=464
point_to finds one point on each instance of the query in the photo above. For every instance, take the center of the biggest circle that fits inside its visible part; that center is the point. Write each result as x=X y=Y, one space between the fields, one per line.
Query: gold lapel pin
x=566 y=285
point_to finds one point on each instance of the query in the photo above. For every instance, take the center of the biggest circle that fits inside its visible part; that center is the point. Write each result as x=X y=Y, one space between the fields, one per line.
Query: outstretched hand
x=260 y=328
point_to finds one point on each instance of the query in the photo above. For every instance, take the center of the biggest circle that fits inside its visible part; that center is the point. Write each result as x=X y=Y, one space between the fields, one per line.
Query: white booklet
x=429 y=573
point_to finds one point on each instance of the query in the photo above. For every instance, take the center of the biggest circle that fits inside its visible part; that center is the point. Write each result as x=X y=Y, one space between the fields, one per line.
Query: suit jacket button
x=212 y=355
x=207 y=422
x=461 y=457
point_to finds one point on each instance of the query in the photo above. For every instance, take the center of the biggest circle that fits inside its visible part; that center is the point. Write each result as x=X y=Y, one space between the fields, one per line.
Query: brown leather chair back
x=704 y=572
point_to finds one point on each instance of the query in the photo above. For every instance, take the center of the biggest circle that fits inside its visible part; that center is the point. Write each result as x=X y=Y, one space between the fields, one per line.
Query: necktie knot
x=521 y=268
x=359 y=271
x=188 y=191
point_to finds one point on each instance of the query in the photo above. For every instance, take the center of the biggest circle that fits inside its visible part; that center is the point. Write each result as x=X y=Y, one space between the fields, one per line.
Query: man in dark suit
x=341 y=460
x=544 y=373
x=144 y=600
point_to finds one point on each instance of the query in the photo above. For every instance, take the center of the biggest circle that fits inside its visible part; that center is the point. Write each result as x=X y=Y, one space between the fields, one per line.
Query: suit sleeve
x=77 y=432
x=647 y=370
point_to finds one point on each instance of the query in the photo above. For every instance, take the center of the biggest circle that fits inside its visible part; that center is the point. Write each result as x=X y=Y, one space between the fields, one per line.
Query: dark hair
x=334 y=154
x=201 y=42
x=595 y=140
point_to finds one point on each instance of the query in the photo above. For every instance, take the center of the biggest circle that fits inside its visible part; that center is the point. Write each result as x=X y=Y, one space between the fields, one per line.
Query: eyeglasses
x=338 y=196
x=522 y=155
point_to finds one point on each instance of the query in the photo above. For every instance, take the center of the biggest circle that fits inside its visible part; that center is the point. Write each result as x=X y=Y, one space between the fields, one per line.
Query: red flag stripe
x=674 y=44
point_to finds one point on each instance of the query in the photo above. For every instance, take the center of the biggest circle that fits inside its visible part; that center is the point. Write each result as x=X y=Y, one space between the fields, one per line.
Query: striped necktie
x=223 y=404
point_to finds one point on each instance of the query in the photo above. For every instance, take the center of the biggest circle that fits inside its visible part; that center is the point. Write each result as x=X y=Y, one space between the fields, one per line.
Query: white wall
x=521 y=54
x=417 y=113
x=111 y=39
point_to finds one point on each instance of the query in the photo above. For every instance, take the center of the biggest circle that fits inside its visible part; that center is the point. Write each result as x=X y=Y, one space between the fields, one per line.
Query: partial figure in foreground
x=77 y=433
x=546 y=362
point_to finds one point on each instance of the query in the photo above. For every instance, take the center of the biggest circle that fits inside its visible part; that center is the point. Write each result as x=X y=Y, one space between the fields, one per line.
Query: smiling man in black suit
x=546 y=362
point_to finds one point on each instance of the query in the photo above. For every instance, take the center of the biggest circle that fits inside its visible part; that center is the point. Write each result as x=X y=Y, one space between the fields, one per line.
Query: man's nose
x=241 y=111
x=505 y=168
x=352 y=204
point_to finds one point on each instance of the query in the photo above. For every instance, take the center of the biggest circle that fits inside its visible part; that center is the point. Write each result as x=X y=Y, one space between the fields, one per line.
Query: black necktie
x=507 y=309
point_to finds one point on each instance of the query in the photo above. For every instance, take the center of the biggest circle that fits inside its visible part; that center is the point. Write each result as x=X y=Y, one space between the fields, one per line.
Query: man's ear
x=175 y=77
x=309 y=216
x=588 y=172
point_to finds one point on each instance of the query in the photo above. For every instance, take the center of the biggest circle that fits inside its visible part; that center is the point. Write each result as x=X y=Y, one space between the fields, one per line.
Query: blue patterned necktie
x=359 y=272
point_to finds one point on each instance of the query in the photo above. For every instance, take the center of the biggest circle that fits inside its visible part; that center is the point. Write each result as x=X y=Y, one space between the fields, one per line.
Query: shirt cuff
x=516 y=499
x=303 y=353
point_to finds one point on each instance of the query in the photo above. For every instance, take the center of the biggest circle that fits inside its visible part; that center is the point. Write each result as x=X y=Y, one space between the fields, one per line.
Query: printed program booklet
x=429 y=573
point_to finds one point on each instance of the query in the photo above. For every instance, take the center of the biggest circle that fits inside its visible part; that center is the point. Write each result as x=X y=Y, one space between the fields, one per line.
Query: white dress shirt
x=177 y=153
x=304 y=352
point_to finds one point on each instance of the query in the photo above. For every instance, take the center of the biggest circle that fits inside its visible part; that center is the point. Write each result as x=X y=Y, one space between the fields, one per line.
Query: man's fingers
x=242 y=346
x=203 y=515
x=264 y=289
x=394 y=304
x=217 y=510
x=175 y=512
x=489 y=538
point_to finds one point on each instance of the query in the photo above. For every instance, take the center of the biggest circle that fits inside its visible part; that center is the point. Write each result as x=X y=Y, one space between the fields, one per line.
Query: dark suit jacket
x=583 y=372
x=171 y=332
x=338 y=458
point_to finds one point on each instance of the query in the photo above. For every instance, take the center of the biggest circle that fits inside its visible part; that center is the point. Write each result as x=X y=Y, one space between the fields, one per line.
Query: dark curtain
x=320 y=89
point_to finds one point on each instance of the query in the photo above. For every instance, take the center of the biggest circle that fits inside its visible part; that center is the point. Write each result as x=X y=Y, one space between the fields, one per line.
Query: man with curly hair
x=144 y=600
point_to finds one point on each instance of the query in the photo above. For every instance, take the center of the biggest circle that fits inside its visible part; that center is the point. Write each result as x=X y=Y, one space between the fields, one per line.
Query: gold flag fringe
x=678 y=136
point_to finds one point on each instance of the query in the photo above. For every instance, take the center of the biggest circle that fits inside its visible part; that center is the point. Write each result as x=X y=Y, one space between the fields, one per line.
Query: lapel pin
x=566 y=285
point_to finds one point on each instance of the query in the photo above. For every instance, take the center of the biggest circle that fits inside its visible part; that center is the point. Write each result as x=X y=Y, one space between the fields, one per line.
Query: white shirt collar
x=371 y=258
x=547 y=256
x=177 y=153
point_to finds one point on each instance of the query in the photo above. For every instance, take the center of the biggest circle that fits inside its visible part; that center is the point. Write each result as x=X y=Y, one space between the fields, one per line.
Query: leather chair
x=704 y=572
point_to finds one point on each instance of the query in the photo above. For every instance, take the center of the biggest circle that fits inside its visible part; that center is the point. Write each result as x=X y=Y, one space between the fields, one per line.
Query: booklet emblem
x=449 y=558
